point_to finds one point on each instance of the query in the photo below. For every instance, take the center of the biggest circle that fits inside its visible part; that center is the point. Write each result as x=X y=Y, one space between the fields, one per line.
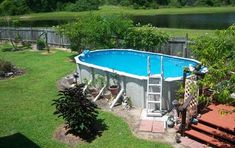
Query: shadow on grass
x=17 y=140
x=7 y=49
x=71 y=57
x=11 y=49
x=98 y=129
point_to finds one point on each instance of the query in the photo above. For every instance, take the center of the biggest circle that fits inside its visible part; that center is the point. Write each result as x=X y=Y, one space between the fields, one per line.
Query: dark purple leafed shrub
x=79 y=113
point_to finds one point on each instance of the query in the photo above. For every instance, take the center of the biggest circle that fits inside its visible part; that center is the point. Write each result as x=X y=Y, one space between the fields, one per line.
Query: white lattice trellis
x=191 y=88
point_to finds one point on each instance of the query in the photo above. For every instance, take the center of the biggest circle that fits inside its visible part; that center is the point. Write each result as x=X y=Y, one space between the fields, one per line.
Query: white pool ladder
x=154 y=91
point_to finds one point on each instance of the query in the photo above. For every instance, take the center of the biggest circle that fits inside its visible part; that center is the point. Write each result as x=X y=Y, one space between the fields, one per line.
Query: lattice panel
x=191 y=88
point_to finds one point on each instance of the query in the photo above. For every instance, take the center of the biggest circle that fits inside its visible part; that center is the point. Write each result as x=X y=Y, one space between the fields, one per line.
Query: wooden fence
x=175 y=46
x=32 y=34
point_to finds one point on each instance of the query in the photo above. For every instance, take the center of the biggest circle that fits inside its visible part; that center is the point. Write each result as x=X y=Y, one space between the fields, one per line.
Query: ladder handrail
x=162 y=67
x=148 y=66
x=162 y=77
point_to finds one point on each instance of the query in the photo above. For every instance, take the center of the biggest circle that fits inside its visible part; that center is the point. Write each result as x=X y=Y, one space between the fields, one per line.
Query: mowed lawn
x=26 y=114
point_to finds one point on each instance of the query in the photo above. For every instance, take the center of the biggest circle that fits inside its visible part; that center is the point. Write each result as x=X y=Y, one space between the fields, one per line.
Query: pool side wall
x=133 y=87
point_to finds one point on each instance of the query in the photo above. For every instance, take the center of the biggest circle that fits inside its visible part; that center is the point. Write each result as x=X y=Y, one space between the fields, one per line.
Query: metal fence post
x=185 y=46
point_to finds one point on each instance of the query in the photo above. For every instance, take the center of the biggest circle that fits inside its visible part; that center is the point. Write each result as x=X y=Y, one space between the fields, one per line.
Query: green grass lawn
x=25 y=105
x=192 y=33
x=125 y=11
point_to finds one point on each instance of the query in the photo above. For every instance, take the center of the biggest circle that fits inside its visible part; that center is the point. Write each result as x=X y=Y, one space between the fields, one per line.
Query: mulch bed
x=60 y=134
x=12 y=74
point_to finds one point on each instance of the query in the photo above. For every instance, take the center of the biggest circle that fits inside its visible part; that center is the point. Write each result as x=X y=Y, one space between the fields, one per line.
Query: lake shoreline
x=192 y=33
x=104 y=10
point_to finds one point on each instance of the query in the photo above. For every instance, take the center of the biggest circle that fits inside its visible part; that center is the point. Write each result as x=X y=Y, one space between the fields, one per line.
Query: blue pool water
x=134 y=62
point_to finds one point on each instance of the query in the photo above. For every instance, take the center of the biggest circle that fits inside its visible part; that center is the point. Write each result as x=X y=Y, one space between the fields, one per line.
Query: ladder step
x=154 y=84
x=154 y=93
x=154 y=102
x=155 y=76
x=154 y=114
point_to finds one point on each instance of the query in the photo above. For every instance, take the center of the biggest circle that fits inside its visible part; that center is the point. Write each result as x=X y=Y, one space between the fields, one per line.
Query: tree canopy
x=17 y=7
x=217 y=52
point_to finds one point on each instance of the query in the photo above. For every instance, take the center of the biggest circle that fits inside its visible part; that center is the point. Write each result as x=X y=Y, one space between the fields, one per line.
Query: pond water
x=190 y=21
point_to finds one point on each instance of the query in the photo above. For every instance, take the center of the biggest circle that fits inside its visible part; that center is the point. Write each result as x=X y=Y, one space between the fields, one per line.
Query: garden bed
x=8 y=70
x=132 y=117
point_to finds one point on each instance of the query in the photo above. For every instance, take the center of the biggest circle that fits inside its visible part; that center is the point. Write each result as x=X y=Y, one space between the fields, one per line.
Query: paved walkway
x=158 y=125
x=152 y=126
x=190 y=143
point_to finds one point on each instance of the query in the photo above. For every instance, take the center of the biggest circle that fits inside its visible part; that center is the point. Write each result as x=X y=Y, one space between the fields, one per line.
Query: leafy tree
x=112 y=2
x=83 y=5
x=79 y=113
x=218 y=54
x=96 y=31
x=42 y=5
x=175 y=3
x=11 y=7
x=145 y=38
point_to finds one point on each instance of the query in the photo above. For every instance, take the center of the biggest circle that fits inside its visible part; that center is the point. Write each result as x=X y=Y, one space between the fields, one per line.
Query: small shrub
x=41 y=44
x=79 y=113
x=26 y=44
x=99 y=82
x=6 y=66
x=129 y=102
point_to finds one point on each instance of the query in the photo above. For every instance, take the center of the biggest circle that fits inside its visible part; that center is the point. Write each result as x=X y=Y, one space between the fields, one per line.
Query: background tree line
x=17 y=7
x=174 y=3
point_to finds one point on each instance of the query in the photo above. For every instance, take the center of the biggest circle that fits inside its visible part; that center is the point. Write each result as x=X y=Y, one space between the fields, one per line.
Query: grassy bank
x=27 y=118
x=125 y=11
x=192 y=33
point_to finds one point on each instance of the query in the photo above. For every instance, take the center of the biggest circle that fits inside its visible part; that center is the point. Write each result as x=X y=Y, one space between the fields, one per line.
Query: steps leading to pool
x=214 y=128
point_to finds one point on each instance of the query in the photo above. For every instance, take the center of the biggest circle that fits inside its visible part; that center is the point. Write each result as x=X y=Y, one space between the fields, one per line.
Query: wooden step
x=214 y=118
x=208 y=139
x=216 y=125
x=213 y=131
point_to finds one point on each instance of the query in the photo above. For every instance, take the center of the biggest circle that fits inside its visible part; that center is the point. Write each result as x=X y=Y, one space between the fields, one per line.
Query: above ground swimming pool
x=131 y=67
x=132 y=62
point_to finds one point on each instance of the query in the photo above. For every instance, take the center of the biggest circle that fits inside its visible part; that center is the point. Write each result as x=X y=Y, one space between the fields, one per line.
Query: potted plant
x=91 y=89
x=97 y=84
x=100 y=82
x=114 y=88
